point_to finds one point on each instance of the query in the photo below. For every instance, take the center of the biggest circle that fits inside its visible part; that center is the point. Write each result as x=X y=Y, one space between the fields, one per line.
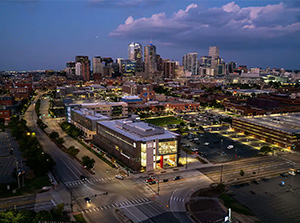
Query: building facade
x=150 y=58
x=85 y=67
x=139 y=145
x=190 y=63
x=85 y=120
x=135 y=53
x=280 y=130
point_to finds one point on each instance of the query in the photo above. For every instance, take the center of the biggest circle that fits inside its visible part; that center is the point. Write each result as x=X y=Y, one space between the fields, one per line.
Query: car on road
x=292 y=173
x=165 y=180
x=152 y=182
x=194 y=149
x=206 y=143
x=150 y=179
x=255 y=181
x=83 y=178
x=298 y=171
x=119 y=177
x=177 y=178
x=283 y=175
x=230 y=147
x=88 y=200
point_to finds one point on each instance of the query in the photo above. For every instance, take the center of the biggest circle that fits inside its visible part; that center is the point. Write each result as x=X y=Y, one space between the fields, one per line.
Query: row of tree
x=71 y=129
x=30 y=216
x=32 y=151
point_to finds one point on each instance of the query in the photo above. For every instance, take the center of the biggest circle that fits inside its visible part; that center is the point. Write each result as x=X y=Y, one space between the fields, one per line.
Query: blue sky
x=46 y=34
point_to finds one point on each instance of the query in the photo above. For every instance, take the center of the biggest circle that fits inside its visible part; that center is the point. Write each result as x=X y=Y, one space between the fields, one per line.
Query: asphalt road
x=253 y=168
x=121 y=193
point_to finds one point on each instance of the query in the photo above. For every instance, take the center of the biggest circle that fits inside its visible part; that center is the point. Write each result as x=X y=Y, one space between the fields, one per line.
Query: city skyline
x=44 y=35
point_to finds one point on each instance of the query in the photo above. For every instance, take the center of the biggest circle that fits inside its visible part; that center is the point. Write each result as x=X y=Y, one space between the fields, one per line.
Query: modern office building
x=86 y=120
x=135 y=53
x=190 y=63
x=150 y=58
x=282 y=130
x=139 y=145
x=85 y=67
x=97 y=65
x=169 y=68
x=214 y=52
x=128 y=68
x=113 y=110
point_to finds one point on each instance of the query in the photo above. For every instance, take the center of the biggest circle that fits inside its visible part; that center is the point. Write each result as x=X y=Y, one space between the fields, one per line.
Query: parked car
x=206 y=143
x=165 y=180
x=177 y=178
x=298 y=171
x=292 y=173
x=119 y=177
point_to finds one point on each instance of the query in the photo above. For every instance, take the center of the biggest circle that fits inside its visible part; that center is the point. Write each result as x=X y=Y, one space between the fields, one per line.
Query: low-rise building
x=282 y=129
x=139 y=145
x=86 y=120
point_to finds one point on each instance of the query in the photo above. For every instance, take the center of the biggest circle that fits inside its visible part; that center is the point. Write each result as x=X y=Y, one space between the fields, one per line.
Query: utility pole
x=158 y=184
x=22 y=174
x=221 y=146
x=71 y=200
x=221 y=174
x=17 y=169
x=186 y=162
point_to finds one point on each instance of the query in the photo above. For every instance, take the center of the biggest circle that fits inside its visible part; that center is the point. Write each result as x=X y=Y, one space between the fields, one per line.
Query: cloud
x=124 y=3
x=229 y=26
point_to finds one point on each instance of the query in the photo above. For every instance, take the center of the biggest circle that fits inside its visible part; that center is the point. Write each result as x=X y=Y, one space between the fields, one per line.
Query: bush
x=54 y=135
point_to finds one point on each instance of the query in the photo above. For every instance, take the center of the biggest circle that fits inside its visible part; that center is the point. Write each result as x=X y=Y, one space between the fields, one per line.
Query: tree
x=60 y=141
x=242 y=173
x=54 y=135
x=43 y=216
x=265 y=150
x=73 y=151
x=88 y=162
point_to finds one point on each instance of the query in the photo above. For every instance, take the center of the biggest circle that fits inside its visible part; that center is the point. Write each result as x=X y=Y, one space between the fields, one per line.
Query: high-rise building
x=150 y=58
x=135 y=53
x=128 y=68
x=70 y=68
x=119 y=62
x=78 y=69
x=190 y=63
x=169 y=68
x=97 y=65
x=214 y=52
x=232 y=66
x=85 y=67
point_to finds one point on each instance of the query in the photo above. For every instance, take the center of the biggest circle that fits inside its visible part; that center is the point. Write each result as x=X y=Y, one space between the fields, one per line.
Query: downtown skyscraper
x=135 y=53
x=84 y=67
x=150 y=58
x=190 y=63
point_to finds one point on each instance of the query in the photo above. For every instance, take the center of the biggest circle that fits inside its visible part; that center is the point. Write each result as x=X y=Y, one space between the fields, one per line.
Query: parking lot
x=217 y=148
x=270 y=201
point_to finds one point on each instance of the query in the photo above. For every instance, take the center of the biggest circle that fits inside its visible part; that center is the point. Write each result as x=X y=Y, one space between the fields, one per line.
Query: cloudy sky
x=44 y=34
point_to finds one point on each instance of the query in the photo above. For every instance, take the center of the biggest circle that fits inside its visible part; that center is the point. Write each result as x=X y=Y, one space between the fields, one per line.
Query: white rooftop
x=138 y=131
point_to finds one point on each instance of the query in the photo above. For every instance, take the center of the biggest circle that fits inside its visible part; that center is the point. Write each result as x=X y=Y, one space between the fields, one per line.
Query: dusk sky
x=46 y=34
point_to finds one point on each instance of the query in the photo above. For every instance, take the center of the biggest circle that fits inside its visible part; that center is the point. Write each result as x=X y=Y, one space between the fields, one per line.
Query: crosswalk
x=177 y=199
x=79 y=182
x=117 y=205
